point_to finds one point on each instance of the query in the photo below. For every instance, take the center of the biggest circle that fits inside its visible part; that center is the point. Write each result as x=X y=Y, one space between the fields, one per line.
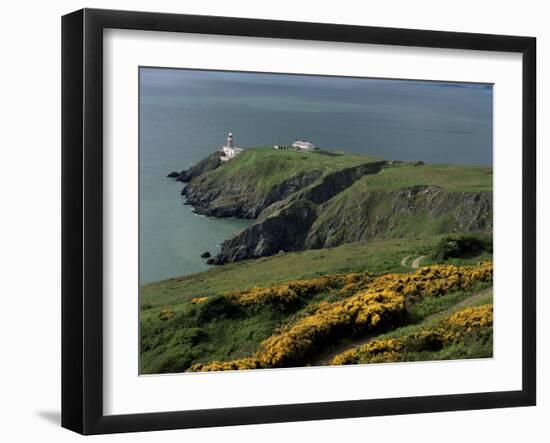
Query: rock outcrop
x=241 y=198
x=285 y=230
x=207 y=164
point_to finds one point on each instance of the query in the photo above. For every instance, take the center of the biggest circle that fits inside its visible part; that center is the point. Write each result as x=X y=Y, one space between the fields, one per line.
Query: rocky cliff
x=325 y=204
x=408 y=212
x=207 y=164
x=239 y=197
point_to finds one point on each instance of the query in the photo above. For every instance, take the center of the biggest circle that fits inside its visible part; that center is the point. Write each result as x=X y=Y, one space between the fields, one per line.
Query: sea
x=186 y=115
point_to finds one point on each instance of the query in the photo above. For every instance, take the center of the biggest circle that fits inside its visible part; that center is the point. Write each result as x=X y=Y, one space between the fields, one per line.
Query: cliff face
x=286 y=230
x=302 y=224
x=324 y=206
x=415 y=211
x=207 y=164
x=326 y=187
x=239 y=196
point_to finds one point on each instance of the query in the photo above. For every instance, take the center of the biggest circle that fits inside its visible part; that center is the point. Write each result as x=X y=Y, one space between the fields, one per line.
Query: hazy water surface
x=185 y=115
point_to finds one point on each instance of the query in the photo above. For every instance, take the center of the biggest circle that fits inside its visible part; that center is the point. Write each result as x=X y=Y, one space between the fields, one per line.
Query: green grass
x=453 y=178
x=268 y=167
x=445 y=305
x=480 y=348
x=432 y=305
x=374 y=256
x=370 y=203
x=486 y=256
x=477 y=344
x=202 y=333
x=218 y=330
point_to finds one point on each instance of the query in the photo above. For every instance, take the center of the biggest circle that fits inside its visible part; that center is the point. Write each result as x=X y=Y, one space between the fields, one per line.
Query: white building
x=303 y=145
x=229 y=150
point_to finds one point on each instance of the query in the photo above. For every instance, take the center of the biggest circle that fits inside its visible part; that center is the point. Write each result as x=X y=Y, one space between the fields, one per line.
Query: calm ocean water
x=185 y=115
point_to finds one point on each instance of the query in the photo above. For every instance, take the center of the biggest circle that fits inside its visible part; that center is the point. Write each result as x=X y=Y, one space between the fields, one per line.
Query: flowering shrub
x=357 y=281
x=470 y=319
x=166 y=314
x=453 y=329
x=286 y=294
x=434 y=280
x=242 y=363
x=375 y=302
x=358 y=314
x=378 y=350
x=467 y=322
x=427 y=281
x=198 y=300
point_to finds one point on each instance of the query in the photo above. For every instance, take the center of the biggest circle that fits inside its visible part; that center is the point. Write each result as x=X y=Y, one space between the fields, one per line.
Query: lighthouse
x=229 y=150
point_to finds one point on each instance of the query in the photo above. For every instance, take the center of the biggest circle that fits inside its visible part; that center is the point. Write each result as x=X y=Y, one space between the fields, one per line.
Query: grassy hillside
x=358 y=226
x=260 y=177
x=449 y=177
x=453 y=178
x=267 y=167
x=465 y=332
x=408 y=201
x=319 y=199
x=375 y=256
x=189 y=320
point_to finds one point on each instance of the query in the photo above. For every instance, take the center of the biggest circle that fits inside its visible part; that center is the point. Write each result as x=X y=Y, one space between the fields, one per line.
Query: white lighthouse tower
x=229 y=150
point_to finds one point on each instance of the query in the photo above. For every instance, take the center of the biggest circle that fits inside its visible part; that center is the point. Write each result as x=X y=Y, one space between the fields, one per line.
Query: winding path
x=415 y=264
x=461 y=304
x=325 y=358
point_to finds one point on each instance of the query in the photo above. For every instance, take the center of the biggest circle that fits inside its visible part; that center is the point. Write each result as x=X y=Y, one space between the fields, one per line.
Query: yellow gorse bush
x=285 y=294
x=467 y=321
x=362 y=312
x=358 y=314
x=242 y=363
x=449 y=330
x=383 y=303
x=376 y=301
x=427 y=281
x=470 y=318
x=166 y=314
x=198 y=300
x=377 y=350
x=434 y=280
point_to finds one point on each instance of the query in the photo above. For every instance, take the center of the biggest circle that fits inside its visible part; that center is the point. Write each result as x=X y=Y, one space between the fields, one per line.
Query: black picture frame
x=82 y=219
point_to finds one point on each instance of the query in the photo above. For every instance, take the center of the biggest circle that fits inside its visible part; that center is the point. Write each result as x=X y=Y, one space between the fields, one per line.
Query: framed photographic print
x=269 y=221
